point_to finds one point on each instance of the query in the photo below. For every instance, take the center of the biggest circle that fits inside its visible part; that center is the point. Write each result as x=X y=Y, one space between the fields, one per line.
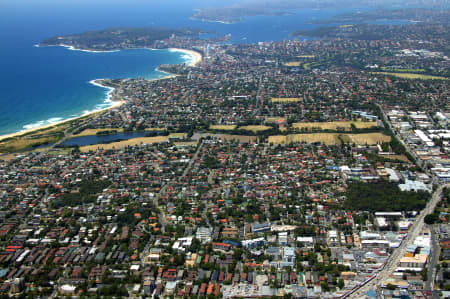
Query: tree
x=390 y=286
x=340 y=284
x=431 y=218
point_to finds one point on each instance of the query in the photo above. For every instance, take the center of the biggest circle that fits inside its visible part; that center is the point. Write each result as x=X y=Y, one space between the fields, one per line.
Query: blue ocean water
x=40 y=85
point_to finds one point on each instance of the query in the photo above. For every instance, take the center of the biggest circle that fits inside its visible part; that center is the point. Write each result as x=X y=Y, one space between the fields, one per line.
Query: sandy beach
x=115 y=104
x=196 y=59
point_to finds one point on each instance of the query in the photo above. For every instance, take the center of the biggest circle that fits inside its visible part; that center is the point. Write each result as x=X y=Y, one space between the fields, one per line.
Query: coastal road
x=398 y=253
x=67 y=135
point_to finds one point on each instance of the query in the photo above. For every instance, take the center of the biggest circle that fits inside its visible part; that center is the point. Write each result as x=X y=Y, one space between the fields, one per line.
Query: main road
x=162 y=213
x=398 y=253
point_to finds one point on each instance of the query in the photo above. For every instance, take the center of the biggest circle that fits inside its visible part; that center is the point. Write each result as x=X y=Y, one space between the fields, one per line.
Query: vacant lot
x=240 y=138
x=185 y=143
x=222 y=127
x=125 y=143
x=285 y=100
x=331 y=138
x=412 y=76
x=255 y=129
x=275 y=120
x=334 y=125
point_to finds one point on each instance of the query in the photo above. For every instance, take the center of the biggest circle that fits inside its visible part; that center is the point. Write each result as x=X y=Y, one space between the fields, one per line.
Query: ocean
x=43 y=85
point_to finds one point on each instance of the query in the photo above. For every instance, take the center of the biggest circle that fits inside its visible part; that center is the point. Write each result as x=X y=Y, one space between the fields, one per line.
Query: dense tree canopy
x=383 y=196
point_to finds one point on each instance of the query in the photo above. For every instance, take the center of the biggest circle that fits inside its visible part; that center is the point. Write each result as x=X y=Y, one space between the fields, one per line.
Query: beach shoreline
x=196 y=55
x=115 y=104
x=197 y=58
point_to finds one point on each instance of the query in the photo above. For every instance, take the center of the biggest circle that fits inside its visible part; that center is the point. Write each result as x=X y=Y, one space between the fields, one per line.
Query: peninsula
x=118 y=38
x=232 y=15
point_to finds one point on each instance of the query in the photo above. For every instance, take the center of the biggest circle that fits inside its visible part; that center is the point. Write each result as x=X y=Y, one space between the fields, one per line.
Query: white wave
x=107 y=103
x=42 y=123
x=176 y=50
x=188 y=57
x=34 y=125
x=54 y=120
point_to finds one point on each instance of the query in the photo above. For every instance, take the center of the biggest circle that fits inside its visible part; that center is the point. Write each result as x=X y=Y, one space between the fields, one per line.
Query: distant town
x=292 y=169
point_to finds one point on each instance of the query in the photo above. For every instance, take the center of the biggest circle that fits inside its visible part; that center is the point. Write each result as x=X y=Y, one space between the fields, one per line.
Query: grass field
x=178 y=135
x=305 y=56
x=334 y=125
x=125 y=143
x=293 y=63
x=331 y=138
x=411 y=76
x=154 y=129
x=369 y=138
x=20 y=143
x=396 y=157
x=93 y=132
x=255 y=129
x=285 y=100
x=222 y=127
x=7 y=158
x=403 y=70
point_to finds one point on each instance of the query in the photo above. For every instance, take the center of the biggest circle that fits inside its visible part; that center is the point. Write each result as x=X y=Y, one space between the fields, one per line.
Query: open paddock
x=93 y=132
x=15 y=144
x=125 y=143
x=396 y=157
x=411 y=76
x=285 y=100
x=293 y=64
x=154 y=129
x=8 y=157
x=331 y=138
x=334 y=125
x=369 y=138
x=255 y=129
x=177 y=135
x=222 y=127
